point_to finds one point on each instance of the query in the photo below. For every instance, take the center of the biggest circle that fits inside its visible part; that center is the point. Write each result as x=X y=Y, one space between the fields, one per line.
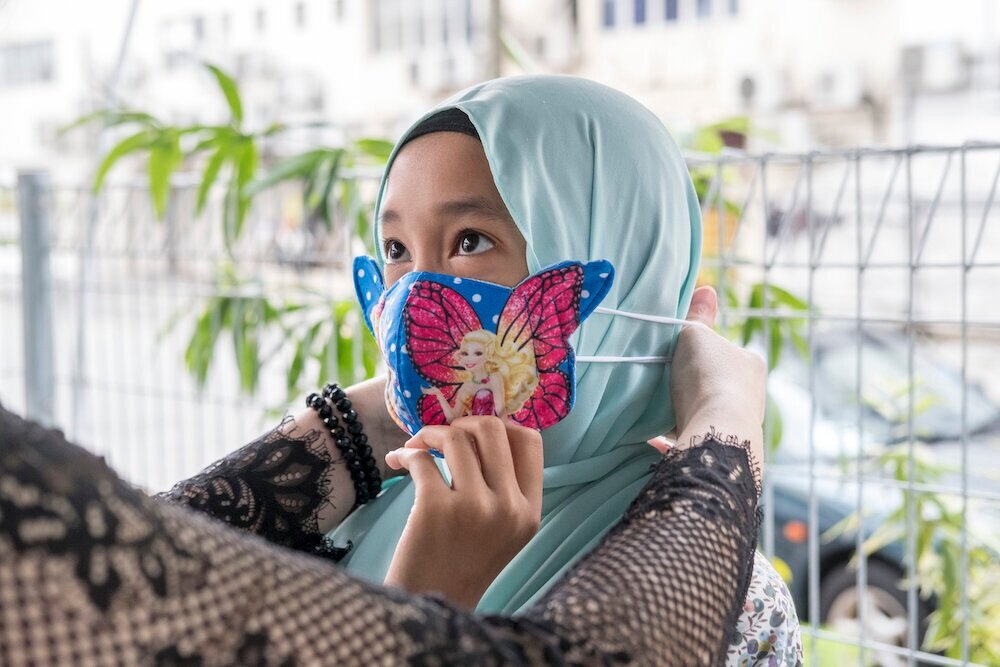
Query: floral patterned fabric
x=768 y=628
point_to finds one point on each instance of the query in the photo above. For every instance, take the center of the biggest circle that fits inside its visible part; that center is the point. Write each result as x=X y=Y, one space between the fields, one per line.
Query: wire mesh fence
x=866 y=278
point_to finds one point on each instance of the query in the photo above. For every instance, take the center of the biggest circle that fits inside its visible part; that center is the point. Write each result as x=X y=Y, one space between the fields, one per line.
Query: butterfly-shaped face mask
x=457 y=346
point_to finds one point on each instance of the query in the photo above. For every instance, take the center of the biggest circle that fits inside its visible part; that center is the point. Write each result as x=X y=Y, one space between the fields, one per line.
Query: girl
x=514 y=175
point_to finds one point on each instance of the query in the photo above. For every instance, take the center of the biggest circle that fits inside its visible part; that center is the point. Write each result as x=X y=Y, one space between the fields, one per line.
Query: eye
x=473 y=243
x=395 y=251
x=479 y=354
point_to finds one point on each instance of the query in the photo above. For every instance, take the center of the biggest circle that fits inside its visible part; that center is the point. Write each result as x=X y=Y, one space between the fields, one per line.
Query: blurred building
x=816 y=72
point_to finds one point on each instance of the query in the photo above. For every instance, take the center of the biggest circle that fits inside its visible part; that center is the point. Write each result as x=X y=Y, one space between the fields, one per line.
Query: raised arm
x=94 y=571
x=291 y=486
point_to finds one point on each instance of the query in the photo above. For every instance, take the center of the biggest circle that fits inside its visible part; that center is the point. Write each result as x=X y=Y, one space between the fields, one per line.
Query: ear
x=598 y=277
x=368 y=285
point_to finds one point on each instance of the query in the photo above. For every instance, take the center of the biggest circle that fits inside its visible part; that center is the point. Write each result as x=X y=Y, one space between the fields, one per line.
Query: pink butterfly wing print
x=437 y=318
x=543 y=311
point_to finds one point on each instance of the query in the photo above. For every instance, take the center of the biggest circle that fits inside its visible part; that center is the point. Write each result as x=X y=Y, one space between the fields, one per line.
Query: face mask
x=458 y=346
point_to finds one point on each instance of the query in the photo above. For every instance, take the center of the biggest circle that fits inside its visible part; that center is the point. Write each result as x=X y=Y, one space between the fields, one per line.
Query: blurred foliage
x=940 y=526
x=757 y=298
x=312 y=329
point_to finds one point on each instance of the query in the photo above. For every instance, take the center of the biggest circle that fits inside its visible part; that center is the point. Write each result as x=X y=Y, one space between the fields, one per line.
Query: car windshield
x=937 y=394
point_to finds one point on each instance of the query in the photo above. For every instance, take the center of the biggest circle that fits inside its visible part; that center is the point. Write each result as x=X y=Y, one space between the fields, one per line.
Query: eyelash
x=462 y=233
x=458 y=240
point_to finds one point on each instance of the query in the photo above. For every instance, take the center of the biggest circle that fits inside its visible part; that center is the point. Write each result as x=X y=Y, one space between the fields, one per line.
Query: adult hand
x=714 y=384
x=458 y=538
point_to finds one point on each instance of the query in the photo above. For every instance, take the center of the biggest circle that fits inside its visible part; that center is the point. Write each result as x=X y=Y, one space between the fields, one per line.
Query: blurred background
x=184 y=184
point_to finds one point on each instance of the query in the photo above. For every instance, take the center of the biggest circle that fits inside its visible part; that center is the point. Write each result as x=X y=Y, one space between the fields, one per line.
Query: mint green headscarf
x=587 y=173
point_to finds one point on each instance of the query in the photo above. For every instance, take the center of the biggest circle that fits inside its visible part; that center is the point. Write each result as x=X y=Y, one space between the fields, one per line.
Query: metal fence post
x=36 y=303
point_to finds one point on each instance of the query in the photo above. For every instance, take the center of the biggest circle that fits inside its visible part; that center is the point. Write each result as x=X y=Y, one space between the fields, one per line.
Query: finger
x=459 y=451
x=704 y=306
x=424 y=472
x=529 y=466
x=489 y=437
x=661 y=444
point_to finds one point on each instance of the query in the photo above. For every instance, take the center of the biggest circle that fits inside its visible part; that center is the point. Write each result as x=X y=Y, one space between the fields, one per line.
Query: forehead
x=437 y=164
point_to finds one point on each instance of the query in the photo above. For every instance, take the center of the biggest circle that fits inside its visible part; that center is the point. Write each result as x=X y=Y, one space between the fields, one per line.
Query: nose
x=426 y=259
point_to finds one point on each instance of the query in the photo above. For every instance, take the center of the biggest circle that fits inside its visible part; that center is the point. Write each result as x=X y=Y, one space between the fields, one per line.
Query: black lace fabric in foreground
x=94 y=572
x=274 y=487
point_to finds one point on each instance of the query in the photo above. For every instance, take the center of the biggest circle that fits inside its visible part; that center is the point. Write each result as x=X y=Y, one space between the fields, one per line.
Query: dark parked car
x=837 y=441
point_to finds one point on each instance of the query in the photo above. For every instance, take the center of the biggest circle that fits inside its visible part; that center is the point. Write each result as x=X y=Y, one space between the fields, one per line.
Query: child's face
x=441 y=212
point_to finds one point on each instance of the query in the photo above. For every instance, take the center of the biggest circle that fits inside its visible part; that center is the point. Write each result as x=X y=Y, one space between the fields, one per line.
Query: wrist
x=384 y=434
x=727 y=420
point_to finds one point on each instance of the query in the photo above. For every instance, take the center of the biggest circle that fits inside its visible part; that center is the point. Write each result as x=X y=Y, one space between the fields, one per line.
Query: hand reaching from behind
x=715 y=384
x=458 y=538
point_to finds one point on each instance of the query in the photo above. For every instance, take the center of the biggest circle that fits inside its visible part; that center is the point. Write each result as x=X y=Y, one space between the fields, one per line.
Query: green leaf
x=379 y=149
x=783 y=296
x=208 y=178
x=111 y=118
x=323 y=207
x=325 y=357
x=315 y=187
x=273 y=129
x=753 y=322
x=231 y=91
x=776 y=343
x=136 y=142
x=297 y=166
x=774 y=425
x=303 y=348
x=201 y=348
x=245 y=170
x=229 y=212
x=800 y=342
x=164 y=158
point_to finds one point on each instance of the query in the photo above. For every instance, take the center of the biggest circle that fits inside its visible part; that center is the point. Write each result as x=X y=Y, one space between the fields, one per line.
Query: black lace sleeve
x=274 y=487
x=94 y=572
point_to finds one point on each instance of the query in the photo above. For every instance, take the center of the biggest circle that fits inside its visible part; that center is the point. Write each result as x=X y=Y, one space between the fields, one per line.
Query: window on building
x=227 y=24
x=22 y=64
x=470 y=25
x=300 y=14
x=338 y=9
x=198 y=29
x=260 y=19
x=734 y=7
x=608 y=13
x=445 y=32
x=639 y=10
x=704 y=9
x=387 y=30
x=670 y=9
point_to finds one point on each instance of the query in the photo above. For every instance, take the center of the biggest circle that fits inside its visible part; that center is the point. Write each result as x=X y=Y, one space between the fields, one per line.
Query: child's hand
x=459 y=538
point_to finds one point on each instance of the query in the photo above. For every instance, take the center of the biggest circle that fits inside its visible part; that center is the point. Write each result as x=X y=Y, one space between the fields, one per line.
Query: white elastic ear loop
x=659 y=319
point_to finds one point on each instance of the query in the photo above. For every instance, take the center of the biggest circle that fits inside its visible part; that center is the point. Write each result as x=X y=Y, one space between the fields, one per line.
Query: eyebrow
x=454 y=208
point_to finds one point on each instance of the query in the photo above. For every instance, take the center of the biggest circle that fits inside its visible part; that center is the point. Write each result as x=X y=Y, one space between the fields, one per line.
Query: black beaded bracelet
x=349 y=439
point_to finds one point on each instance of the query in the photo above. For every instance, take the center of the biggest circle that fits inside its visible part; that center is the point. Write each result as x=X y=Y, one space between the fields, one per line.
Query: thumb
x=704 y=306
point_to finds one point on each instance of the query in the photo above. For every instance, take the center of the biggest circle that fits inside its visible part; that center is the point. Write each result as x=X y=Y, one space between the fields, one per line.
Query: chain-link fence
x=866 y=278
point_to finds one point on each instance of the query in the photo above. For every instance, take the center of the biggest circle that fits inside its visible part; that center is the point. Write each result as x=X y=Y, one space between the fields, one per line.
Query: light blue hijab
x=587 y=173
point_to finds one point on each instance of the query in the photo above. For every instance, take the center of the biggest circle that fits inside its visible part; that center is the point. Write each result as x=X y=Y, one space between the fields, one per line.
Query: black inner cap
x=449 y=120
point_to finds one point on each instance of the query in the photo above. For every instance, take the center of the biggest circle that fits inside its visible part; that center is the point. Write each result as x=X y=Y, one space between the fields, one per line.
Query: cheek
x=391 y=273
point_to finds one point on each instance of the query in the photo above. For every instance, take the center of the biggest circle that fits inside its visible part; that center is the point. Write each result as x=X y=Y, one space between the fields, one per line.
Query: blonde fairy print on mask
x=458 y=346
